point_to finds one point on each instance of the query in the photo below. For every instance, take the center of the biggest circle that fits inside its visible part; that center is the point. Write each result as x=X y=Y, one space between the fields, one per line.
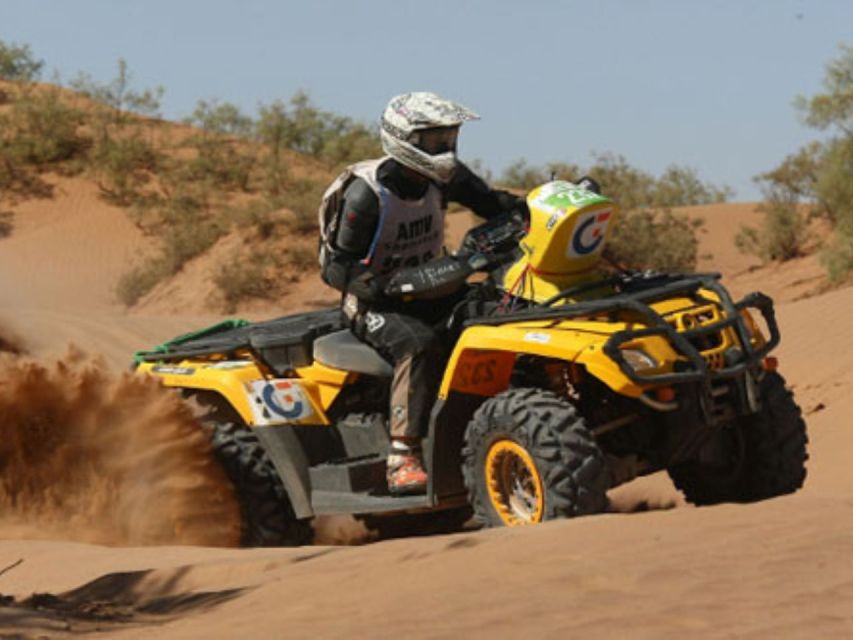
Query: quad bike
x=565 y=381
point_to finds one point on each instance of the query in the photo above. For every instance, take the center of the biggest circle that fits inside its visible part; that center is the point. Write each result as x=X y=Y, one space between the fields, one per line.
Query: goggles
x=435 y=141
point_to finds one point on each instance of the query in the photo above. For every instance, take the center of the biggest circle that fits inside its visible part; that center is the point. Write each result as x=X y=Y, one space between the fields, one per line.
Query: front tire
x=529 y=457
x=767 y=454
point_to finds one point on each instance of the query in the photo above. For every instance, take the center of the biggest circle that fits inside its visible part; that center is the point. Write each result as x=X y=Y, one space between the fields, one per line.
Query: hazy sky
x=705 y=84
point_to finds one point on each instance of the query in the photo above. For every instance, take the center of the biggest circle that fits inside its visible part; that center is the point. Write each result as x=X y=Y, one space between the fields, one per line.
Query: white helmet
x=419 y=130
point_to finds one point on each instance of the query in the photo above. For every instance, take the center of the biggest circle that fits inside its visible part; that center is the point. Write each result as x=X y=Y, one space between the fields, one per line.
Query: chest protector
x=409 y=232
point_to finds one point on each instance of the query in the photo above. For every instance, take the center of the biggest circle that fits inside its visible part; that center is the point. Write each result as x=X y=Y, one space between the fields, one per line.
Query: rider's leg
x=416 y=351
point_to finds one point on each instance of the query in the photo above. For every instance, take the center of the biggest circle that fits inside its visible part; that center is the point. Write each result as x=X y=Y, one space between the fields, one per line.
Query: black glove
x=368 y=286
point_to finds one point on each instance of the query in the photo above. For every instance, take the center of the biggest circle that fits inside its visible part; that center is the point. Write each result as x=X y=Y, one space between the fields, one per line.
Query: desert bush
x=681 y=186
x=837 y=258
x=180 y=245
x=300 y=126
x=118 y=97
x=122 y=166
x=303 y=199
x=223 y=155
x=137 y=282
x=272 y=130
x=654 y=239
x=41 y=128
x=261 y=272
x=647 y=235
x=629 y=186
x=18 y=64
x=818 y=177
x=299 y=255
x=782 y=234
x=186 y=241
x=240 y=279
x=122 y=157
x=263 y=219
x=835 y=187
x=520 y=175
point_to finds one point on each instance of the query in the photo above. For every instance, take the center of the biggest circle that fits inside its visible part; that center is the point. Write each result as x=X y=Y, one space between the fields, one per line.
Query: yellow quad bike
x=565 y=382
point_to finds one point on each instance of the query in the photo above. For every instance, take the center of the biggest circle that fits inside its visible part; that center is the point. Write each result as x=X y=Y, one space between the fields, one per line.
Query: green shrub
x=41 y=128
x=300 y=256
x=117 y=96
x=223 y=155
x=240 y=279
x=18 y=64
x=837 y=258
x=303 y=199
x=137 y=282
x=122 y=166
x=782 y=234
x=186 y=241
x=818 y=176
x=658 y=240
x=681 y=186
x=272 y=130
x=300 y=126
x=180 y=245
x=262 y=219
x=122 y=159
x=629 y=186
x=520 y=175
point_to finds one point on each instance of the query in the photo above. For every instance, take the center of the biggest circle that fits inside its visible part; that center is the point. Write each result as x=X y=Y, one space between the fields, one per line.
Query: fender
x=482 y=362
x=258 y=400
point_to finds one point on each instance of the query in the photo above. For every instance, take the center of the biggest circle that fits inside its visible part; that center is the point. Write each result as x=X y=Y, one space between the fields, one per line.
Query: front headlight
x=639 y=359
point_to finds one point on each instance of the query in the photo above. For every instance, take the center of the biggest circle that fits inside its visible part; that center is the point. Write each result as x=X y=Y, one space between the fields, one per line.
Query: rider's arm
x=470 y=190
x=359 y=217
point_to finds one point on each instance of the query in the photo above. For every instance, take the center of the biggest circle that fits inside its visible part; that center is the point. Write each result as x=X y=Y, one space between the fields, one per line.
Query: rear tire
x=768 y=454
x=529 y=457
x=267 y=515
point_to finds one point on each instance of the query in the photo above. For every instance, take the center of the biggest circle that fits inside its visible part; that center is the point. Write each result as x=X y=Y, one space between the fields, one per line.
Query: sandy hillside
x=777 y=569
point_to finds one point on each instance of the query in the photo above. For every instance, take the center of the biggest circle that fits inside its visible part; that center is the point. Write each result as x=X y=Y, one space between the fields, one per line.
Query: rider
x=392 y=216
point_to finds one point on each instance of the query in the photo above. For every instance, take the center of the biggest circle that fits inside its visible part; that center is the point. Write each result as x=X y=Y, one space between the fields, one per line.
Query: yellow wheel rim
x=514 y=484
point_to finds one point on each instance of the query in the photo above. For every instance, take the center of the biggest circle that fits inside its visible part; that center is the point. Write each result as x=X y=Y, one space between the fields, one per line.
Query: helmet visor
x=435 y=141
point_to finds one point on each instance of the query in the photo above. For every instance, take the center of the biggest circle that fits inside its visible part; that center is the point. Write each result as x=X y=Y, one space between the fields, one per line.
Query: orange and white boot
x=406 y=475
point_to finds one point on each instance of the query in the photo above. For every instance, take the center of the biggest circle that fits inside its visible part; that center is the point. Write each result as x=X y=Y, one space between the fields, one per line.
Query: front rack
x=639 y=292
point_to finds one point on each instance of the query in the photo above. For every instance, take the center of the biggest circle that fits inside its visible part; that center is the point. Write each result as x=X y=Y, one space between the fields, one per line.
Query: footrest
x=347 y=477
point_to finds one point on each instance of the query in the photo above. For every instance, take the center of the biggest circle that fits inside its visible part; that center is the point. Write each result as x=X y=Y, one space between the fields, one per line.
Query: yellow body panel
x=237 y=382
x=580 y=341
x=229 y=383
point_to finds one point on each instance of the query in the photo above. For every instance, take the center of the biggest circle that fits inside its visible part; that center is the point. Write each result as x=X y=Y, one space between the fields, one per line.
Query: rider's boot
x=406 y=475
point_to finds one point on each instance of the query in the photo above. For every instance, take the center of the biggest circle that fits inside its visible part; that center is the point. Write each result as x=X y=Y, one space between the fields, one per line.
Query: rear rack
x=639 y=301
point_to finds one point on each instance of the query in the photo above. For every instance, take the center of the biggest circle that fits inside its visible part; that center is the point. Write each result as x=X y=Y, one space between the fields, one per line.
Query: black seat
x=342 y=350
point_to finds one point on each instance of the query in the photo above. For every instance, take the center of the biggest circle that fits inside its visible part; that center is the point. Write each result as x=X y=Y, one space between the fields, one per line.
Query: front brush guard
x=639 y=302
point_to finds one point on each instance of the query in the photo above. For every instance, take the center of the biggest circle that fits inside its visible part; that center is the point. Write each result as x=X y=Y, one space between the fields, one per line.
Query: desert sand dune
x=781 y=568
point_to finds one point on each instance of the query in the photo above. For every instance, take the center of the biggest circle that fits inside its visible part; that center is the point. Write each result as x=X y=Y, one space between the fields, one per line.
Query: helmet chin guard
x=419 y=131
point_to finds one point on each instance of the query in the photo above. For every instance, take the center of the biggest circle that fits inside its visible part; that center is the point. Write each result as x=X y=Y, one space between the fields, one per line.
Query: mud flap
x=285 y=450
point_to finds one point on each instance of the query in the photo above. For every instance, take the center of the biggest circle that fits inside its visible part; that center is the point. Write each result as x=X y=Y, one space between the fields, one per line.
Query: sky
x=705 y=84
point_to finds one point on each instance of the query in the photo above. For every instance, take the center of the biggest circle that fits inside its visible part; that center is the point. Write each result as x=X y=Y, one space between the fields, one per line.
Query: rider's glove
x=366 y=287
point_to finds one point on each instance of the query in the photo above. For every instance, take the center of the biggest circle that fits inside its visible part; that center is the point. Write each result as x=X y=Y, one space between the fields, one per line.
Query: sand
x=657 y=568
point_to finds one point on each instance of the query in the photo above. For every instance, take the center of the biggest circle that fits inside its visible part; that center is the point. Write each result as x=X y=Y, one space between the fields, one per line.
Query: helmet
x=419 y=130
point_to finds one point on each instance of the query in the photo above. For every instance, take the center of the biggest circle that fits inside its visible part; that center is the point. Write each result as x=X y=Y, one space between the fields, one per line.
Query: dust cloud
x=91 y=456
